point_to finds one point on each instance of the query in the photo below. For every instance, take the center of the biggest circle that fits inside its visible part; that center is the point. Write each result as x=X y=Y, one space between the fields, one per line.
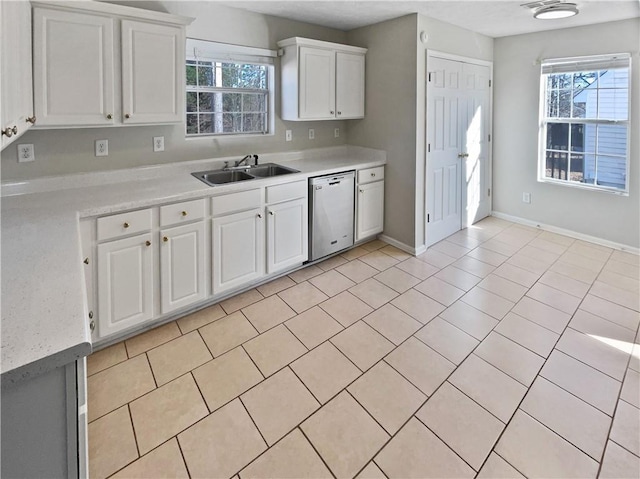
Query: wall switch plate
x=287 y=135
x=158 y=143
x=336 y=132
x=102 y=147
x=312 y=134
x=26 y=153
x=526 y=197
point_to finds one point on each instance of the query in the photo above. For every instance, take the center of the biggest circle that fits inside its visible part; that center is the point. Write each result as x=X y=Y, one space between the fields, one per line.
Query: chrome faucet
x=244 y=160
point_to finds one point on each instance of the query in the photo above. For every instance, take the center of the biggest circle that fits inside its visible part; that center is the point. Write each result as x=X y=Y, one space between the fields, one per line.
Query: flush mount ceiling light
x=552 y=9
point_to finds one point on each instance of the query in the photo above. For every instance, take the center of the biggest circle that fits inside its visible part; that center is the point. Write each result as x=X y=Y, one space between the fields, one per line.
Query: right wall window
x=584 y=122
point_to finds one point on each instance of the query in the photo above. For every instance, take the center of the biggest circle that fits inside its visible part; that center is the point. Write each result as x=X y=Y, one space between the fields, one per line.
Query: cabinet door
x=238 y=250
x=73 y=68
x=152 y=73
x=182 y=266
x=317 y=77
x=125 y=283
x=349 y=85
x=17 y=95
x=287 y=237
x=370 y=210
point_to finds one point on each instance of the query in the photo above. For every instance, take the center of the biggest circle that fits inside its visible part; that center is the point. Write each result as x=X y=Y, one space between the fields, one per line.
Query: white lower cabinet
x=154 y=262
x=287 y=235
x=238 y=249
x=370 y=203
x=125 y=283
x=182 y=266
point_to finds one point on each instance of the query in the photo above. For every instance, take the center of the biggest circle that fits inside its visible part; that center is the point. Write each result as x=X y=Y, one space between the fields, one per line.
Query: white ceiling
x=495 y=18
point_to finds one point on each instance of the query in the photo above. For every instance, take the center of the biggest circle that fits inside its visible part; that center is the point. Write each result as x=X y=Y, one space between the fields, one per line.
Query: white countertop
x=44 y=311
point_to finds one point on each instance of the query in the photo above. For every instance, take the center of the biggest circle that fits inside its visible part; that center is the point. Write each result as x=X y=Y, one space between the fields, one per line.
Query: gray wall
x=390 y=115
x=517 y=88
x=72 y=150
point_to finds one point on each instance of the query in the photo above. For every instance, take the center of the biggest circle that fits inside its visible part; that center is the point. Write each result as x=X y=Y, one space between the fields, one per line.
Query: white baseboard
x=565 y=232
x=402 y=246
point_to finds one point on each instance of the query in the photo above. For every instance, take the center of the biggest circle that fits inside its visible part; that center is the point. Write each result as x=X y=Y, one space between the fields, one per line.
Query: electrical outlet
x=102 y=147
x=26 y=153
x=158 y=143
x=336 y=132
x=526 y=197
x=312 y=134
x=287 y=135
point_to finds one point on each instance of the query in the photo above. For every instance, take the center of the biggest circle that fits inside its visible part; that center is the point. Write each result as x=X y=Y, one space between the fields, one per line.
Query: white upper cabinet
x=99 y=64
x=321 y=80
x=73 y=68
x=152 y=71
x=349 y=85
x=16 y=101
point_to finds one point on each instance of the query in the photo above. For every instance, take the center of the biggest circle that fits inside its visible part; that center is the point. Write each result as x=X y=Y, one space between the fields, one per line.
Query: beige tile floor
x=503 y=351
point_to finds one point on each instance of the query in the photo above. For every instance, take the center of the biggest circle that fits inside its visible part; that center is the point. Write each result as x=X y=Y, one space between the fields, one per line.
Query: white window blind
x=578 y=64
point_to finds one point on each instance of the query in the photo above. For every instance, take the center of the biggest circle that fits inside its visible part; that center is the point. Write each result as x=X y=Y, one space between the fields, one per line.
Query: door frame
x=474 y=61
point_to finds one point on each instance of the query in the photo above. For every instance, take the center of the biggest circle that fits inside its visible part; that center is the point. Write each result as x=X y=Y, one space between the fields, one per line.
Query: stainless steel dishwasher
x=331 y=213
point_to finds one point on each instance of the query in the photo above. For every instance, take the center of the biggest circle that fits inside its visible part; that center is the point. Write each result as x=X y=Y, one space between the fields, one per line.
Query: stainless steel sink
x=271 y=169
x=233 y=175
x=220 y=177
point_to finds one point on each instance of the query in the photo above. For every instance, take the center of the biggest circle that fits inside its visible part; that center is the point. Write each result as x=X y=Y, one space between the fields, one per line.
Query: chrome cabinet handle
x=10 y=131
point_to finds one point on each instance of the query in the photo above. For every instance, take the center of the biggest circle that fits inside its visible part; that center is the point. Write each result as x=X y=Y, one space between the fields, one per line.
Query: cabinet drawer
x=371 y=174
x=288 y=191
x=243 y=200
x=124 y=224
x=182 y=212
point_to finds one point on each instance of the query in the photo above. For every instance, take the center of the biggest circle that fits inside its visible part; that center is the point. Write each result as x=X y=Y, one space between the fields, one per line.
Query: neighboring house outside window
x=229 y=89
x=584 y=127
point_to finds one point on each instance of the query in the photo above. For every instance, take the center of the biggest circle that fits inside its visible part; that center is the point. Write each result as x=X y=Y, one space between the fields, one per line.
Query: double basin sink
x=221 y=177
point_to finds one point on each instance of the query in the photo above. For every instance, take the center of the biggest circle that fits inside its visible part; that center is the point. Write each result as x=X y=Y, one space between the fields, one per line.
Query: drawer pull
x=373 y=174
x=165 y=239
x=92 y=326
x=125 y=225
x=259 y=215
x=361 y=191
x=109 y=116
x=86 y=261
x=271 y=213
x=148 y=243
x=90 y=314
x=184 y=213
x=127 y=116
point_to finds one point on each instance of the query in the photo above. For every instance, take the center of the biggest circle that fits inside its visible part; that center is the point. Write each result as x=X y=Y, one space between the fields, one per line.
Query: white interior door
x=458 y=153
x=476 y=166
x=445 y=99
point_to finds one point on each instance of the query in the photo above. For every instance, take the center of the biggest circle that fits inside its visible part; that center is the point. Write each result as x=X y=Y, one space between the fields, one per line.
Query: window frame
x=209 y=51
x=582 y=65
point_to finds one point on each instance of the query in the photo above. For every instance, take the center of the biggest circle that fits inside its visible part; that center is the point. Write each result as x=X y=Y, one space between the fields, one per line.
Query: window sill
x=584 y=186
x=243 y=136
